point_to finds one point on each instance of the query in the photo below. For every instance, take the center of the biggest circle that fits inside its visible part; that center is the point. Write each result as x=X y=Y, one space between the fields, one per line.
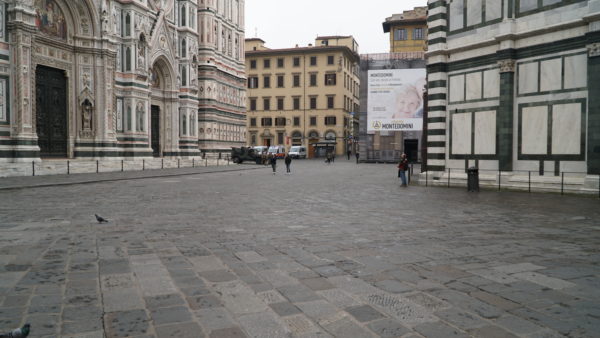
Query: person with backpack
x=288 y=162
x=402 y=167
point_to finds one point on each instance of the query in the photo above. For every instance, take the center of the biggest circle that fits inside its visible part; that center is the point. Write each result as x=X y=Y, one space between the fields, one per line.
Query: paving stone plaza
x=335 y=250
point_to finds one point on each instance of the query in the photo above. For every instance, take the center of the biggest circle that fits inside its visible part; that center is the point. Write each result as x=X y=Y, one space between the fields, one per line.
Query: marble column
x=593 y=155
x=505 y=116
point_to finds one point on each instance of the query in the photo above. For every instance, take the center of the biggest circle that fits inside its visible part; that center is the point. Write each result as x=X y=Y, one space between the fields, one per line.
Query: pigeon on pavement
x=101 y=219
x=17 y=333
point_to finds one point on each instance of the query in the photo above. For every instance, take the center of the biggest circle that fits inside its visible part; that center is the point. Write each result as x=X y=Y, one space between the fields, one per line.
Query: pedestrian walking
x=273 y=162
x=288 y=162
x=357 y=156
x=328 y=157
x=349 y=153
x=402 y=167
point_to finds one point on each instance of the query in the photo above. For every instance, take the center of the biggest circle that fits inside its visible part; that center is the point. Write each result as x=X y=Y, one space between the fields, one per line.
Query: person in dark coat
x=273 y=162
x=402 y=167
x=288 y=162
x=357 y=156
x=349 y=153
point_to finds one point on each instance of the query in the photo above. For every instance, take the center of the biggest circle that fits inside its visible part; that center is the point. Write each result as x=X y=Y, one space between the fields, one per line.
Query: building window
x=127 y=59
x=252 y=64
x=182 y=16
x=280 y=121
x=330 y=102
x=330 y=135
x=280 y=63
x=296 y=103
x=313 y=120
x=313 y=103
x=127 y=27
x=267 y=63
x=280 y=103
x=296 y=80
x=266 y=81
x=266 y=122
x=400 y=34
x=253 y=82
x=128 y=120
x=313 y=60
x=280 y=80
x=296 y=62
x=279 y=138
x=418 y=34
x=183 y=51
x=330 y=120
x=253 y=138
x=184 y=75
x=313 y=80
x=330 y=59
x=296 y=121
x=253 y=122
x=266 y=104
x=252 y=104
x=330 y=79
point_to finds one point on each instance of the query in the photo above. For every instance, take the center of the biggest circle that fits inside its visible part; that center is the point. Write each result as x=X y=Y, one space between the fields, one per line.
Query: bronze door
x=51 y=111
x=155 y=130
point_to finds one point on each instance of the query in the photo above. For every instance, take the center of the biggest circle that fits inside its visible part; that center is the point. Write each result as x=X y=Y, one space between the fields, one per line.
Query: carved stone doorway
x=51 y=112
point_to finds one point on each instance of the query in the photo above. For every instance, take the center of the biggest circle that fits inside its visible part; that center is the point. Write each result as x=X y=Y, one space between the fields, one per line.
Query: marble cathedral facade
x=120 y=78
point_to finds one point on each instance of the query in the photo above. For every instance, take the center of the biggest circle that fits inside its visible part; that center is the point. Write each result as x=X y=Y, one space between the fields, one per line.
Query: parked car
x=239 y=155
x=297 y=152
x=277 y=151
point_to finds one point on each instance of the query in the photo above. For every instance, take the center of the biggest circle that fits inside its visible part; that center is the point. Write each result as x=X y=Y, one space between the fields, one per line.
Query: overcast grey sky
x=285 y=23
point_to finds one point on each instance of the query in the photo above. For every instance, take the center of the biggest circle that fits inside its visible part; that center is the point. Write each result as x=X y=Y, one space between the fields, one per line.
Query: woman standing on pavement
x=402 y=167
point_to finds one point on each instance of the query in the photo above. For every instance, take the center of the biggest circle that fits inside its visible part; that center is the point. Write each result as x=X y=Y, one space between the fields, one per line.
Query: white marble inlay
x=473 y=86
x=566 y=129
x=493 y=9
x=534 y=131
x=457 y=88
x=485 y=133
x=461 y=133
x=528 y=77
x=456 y=15
x=576 y=71
x=491 y=83
x=551 y=75
x=550 y=2
x=473 y=12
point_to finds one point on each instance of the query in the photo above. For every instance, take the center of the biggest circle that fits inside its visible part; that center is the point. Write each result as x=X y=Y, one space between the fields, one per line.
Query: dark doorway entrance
x=155 y=130
x=51 y=112
x=411 y=149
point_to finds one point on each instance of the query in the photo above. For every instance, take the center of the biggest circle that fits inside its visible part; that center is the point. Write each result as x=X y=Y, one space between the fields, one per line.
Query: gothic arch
x=166 y=73
x=61 y=19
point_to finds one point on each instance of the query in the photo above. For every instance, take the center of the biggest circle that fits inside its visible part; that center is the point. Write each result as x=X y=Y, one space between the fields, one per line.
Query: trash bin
x=473 y=179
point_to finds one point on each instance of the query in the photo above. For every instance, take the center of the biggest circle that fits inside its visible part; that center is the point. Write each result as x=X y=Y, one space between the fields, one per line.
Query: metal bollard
x=178 y=164
x=121 y=165
x=562 y=183
x=426 y=178
x=143 y=164
x=32 y=168
x=162 y=163
x=193 y=163
x=206 y=162
x=529 y=181
x=97 y=167
x=499 y=179
x=449 y=171
x=68 y=167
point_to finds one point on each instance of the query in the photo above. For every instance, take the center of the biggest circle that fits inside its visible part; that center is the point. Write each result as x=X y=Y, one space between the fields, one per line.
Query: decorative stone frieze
x=507 y=66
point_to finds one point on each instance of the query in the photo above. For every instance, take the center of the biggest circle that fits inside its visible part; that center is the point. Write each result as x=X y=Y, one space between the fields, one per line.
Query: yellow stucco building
x=303 y=96
x=408 y=31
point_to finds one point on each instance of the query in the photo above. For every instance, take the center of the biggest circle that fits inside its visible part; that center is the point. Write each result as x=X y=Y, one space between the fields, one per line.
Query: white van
x=277 y=151
x=297 y=152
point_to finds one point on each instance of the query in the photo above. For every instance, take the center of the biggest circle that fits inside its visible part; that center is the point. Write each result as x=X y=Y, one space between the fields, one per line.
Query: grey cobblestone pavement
x=329 y=251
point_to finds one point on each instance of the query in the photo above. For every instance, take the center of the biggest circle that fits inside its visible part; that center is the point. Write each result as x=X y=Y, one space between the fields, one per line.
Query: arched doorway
x=51 y=112
x=160 y=81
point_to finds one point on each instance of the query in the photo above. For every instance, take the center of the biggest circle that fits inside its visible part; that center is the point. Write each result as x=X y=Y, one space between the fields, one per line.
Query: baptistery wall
x=513 y=87
x=113 y=78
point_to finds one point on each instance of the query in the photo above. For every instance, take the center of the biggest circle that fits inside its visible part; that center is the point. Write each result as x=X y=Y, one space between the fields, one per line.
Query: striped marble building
x=83 y=79
x=514 y=85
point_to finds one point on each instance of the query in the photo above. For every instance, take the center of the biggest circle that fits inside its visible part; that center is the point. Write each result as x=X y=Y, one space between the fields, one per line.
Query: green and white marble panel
x=566 y=129
x=461 y=134
x=473 y=86
x=534 y=132
x=528 y=77
x=457 y=88
x=576 y=71
x=485 y=133
x=551 y=75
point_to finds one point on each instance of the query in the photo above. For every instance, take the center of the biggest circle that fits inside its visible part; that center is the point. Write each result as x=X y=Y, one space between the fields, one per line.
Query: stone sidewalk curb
x=75 y=179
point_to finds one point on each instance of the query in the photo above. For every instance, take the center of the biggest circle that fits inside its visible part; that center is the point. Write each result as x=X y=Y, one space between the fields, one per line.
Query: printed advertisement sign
x=395 y=99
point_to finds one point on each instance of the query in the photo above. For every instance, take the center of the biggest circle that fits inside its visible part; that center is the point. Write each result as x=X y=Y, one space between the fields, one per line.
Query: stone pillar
x=437 y=87
x=505 y=115
x=593 y=155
